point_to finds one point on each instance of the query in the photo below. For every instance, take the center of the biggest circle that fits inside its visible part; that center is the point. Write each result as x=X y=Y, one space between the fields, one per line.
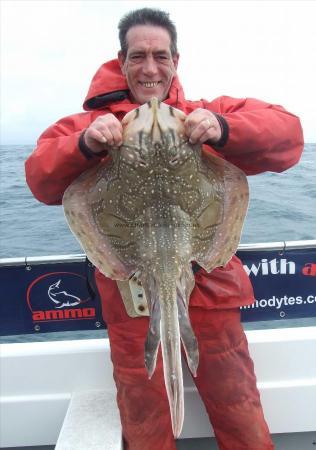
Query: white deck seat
x=92 y=421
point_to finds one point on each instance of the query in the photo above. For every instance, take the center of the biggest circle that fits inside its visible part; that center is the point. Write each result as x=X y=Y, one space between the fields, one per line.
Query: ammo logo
x=59 y=296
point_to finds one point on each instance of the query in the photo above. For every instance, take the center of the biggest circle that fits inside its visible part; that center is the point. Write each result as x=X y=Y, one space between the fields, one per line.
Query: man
x=251 y=134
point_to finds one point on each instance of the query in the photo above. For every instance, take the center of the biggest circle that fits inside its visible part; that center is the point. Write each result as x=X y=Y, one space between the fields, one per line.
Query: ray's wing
x=223 y=218
x=81 y=220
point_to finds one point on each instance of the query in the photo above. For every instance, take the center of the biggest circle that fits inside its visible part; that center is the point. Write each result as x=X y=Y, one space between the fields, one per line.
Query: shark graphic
x=61 y=298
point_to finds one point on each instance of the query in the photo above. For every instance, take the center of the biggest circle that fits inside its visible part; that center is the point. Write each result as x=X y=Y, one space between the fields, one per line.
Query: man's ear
x=121 y=59
x=175 y=59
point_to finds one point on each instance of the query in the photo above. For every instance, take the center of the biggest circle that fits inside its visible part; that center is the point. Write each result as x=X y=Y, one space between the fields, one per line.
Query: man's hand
x=202 y=125
x=106 y=131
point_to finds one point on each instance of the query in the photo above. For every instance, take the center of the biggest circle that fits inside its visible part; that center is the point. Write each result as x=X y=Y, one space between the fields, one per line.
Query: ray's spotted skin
x=158 y=204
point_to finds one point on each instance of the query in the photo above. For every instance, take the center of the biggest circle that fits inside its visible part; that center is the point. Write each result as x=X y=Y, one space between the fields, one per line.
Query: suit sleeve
x=57 y=159
x=261 y=136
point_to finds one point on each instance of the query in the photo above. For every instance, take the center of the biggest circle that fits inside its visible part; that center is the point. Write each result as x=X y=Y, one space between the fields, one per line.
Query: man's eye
x=135 y=57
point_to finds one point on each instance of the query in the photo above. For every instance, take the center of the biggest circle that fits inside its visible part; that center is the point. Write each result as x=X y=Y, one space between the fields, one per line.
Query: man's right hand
x=106 y=131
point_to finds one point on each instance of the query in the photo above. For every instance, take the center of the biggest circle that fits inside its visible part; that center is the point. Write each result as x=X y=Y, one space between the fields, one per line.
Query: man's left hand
x=202 y=125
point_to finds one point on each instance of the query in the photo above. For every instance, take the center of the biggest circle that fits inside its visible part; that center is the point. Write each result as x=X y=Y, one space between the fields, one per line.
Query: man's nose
x=150 y=66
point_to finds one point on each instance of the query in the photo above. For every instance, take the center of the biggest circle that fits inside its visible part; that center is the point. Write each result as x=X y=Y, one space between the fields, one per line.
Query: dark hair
x=147 y=16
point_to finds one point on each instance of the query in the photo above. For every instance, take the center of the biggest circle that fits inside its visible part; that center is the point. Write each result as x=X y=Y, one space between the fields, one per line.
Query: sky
x=50 y=50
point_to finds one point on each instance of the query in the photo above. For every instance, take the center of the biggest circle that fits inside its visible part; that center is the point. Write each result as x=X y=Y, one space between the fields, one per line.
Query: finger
x=189 y=125
x=194 y=118
x=112 y=131
x=209 y=135
x=200 y=129
x=117 y=134
x=107 y=135
x=97 y=135
x=111 y=128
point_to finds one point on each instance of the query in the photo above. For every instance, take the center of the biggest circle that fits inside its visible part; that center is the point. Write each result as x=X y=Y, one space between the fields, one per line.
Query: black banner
x=62 y=296
x=284 y=284
x=49 y=297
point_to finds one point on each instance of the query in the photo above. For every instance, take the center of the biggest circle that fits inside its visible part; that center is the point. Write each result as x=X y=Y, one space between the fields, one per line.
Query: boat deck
x=288 y=441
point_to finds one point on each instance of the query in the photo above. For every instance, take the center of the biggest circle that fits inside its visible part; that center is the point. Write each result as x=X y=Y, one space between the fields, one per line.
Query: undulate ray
x=154 y=206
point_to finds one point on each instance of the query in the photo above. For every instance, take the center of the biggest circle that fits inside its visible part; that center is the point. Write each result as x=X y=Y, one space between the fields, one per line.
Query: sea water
x=282 y=208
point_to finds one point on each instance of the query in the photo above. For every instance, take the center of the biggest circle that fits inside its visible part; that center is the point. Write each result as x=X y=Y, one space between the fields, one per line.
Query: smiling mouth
x=150 y=84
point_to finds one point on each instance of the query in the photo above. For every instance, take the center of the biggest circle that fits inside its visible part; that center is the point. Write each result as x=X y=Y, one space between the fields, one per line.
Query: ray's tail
x=171 y=354
x=169 y=324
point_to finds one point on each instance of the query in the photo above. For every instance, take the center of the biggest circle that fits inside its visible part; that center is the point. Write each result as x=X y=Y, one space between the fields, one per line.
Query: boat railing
x=280 y=246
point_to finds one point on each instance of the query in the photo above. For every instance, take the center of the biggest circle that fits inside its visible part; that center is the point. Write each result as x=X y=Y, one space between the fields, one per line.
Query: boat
x=56 y=379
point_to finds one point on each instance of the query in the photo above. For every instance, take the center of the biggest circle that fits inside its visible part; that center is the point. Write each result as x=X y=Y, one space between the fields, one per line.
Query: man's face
x=148 y=66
